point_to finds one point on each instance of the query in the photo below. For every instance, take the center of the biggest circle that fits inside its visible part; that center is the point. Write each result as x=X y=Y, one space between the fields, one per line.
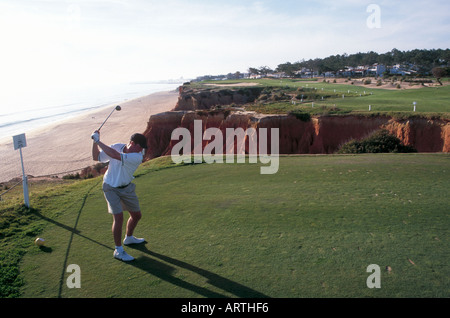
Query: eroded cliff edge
x=319 y=135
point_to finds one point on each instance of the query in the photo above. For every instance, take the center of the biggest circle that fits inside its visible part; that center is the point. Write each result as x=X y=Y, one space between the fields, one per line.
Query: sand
x=385 y=84
x=66 y=146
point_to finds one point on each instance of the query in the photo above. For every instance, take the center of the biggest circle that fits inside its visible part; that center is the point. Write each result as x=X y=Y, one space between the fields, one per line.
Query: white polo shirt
x=120 y=172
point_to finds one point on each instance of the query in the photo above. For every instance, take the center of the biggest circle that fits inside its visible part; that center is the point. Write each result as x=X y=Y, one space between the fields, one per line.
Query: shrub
x=263 y=97
x=301 y=115
x=71 y=176
x=379 y=142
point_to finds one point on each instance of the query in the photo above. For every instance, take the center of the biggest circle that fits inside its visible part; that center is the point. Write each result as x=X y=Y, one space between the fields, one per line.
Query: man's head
x=138 y=142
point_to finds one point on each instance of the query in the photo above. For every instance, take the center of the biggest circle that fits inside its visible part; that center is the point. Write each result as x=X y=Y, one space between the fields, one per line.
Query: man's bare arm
x=95 y=151
x=109 y=151
x=114 y=154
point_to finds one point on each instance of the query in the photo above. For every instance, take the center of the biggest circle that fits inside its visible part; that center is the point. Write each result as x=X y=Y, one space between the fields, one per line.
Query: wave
x=19 y=122
x=44 y=109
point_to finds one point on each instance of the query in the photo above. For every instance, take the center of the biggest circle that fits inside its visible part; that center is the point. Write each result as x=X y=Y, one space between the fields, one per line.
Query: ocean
x=26 y=109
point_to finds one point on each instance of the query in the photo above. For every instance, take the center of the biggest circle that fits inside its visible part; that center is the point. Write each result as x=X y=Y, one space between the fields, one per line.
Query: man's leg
x=131 y=203
x=131 y=225
x=117 y=228
x=117 y=234
x=133 y=221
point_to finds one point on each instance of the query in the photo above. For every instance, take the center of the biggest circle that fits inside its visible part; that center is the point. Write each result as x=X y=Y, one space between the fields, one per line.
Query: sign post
x=20 y=142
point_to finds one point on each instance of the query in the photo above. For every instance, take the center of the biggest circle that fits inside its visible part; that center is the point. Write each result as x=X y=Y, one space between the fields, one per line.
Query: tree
x=439 y=72
x=385 y=59
x=397 y=56
x=264 y=70
x=288 y=68
x=424 y=61
x=253 y=70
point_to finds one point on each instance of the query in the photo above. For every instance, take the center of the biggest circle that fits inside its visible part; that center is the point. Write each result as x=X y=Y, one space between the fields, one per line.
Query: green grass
x=431 y=101
x=224 y=230
x=19 y=226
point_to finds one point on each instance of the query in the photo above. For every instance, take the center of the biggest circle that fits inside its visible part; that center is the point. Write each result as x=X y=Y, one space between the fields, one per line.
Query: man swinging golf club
x=119 y=192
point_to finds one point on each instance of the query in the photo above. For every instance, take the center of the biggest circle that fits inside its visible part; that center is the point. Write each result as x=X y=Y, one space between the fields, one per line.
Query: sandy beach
x=66 y=146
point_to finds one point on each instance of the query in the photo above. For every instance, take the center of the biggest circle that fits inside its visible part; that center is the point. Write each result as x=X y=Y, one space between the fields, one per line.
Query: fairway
x=347 y=98
x=224 y=230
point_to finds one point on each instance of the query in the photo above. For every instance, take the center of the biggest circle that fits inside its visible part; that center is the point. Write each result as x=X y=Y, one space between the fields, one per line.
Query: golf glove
x=96 y=137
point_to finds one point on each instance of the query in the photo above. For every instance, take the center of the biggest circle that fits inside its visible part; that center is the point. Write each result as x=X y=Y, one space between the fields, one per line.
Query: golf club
x=118 y=108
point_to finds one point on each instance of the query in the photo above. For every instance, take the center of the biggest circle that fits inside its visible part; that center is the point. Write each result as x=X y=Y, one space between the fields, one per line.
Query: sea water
x=26 y=109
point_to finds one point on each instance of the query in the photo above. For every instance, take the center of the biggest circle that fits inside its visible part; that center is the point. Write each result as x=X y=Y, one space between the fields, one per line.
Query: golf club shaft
x=115 y=108
x=106 y=119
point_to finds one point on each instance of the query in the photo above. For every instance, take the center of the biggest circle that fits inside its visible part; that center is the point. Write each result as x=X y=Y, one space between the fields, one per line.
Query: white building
x=377 y=70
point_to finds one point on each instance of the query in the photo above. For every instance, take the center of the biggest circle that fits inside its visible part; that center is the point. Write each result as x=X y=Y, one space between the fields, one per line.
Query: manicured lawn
x=356 y=99
x=224 y=230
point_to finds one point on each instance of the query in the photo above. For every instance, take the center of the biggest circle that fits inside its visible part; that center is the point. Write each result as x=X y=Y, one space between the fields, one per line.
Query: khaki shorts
x=120 y=199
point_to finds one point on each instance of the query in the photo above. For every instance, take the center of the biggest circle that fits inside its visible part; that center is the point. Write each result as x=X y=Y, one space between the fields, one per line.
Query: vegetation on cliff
x=379 y=142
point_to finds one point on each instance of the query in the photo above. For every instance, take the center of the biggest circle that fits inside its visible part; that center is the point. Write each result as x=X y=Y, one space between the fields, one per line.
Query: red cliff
x=320 y=135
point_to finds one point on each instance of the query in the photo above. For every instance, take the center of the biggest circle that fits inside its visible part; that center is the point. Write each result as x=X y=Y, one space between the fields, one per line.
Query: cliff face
x=191 y=99
x=425 y=135
x=320 y=135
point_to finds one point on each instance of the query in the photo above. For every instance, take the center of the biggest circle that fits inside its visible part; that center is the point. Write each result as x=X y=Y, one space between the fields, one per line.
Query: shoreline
x=65 y=146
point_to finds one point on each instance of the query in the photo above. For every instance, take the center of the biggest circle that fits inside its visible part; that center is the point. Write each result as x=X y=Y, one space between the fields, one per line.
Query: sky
x=56 y=42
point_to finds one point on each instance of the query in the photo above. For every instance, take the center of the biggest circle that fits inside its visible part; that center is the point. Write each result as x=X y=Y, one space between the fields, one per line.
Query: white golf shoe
x=122 y=255
x=132 y=240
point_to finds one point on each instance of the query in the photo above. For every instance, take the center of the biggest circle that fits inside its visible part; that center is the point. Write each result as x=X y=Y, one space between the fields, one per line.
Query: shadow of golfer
x=38 y=214
x=73 y=230
x=165 y=272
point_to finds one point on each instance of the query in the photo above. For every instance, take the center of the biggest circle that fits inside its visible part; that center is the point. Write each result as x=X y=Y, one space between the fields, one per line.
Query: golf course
x=224 y=230
x=208 y=157
x=319 y=97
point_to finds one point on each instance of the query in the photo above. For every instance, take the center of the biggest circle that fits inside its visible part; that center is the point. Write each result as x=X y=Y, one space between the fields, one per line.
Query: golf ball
x=39 y=241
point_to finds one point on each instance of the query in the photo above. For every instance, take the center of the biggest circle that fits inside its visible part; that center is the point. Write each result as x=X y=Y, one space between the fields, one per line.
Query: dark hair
x=139 y=139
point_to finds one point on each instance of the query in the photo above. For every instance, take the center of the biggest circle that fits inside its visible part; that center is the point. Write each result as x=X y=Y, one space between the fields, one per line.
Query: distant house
x=396 y=69
x=277 y=75
x=346 y=72
x=376 y=70
x=254 y=76
x=305 y=73
x=402 y=70
x=361 y=71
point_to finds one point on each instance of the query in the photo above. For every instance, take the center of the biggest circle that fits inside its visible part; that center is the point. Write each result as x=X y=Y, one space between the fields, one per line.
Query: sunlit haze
x=51 y=42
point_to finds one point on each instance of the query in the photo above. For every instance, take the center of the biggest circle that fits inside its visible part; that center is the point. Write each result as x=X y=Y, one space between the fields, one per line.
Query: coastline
x=65 y=146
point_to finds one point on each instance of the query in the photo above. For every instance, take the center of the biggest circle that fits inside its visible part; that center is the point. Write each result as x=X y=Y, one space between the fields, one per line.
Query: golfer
x=119 y=192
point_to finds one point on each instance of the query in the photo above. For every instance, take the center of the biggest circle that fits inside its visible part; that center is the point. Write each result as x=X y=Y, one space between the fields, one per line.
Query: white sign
x=19 y=141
